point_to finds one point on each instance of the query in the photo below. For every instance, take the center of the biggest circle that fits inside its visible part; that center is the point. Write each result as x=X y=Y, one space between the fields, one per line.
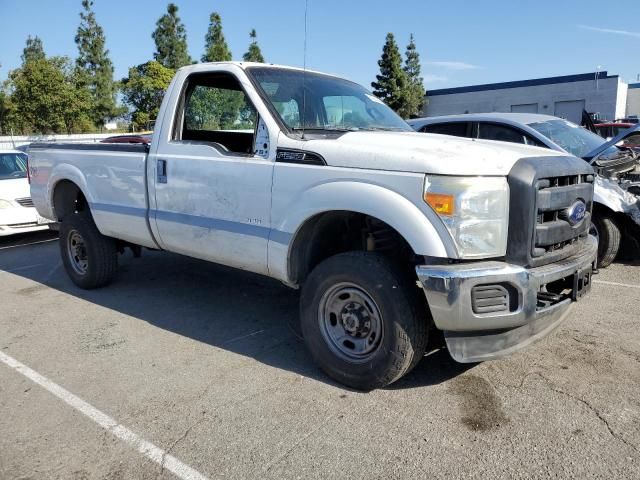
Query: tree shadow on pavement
x=244 y=313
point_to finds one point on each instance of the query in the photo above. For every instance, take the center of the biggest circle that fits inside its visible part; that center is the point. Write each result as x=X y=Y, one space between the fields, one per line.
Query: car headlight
x=5 y=204
x=475 y=211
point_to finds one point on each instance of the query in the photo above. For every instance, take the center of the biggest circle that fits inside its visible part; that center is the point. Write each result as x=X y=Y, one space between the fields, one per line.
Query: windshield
x=329 y=103
x=13 y=165
x=574 y=139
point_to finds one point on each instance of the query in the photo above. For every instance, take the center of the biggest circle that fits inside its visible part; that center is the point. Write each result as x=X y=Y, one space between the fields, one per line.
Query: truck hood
x=423 y=153
x=13 y=188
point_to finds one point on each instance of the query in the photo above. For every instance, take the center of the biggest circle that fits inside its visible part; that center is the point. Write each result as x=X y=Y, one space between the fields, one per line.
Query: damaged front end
x=617 y=185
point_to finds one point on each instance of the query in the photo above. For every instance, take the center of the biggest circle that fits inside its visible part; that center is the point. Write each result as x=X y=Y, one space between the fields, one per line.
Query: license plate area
x=581 y=283
x=573 y=287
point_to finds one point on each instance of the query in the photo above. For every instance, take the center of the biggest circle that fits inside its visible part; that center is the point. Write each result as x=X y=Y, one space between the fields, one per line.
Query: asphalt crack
x=273 y=463
x=584 y=402
x=181 y=438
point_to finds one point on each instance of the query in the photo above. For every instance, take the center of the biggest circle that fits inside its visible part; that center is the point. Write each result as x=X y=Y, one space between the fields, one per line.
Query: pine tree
x=33 y=50
x=253 y=54
x=94 y=69
x=171 y=40
x=391 y=83
x=415 y=92
x=215 y=47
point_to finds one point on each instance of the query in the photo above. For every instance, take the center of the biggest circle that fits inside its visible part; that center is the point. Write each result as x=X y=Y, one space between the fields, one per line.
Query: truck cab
x=308 y=178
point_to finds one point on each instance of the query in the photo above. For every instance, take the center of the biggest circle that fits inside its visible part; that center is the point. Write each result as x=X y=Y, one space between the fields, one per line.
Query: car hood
x=422 y=153
x=615 y=140
x=14 y=188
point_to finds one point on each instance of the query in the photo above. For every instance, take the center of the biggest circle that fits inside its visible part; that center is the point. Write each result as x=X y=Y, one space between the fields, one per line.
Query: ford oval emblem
x=576 y=212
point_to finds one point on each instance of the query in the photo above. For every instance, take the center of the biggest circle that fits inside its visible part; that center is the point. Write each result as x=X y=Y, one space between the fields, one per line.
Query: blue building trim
x=583 y=77
x=634 y=85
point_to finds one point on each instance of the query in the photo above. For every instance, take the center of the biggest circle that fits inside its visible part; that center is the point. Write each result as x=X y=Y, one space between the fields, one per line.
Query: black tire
x=99 y=254
x=608 y=233
x=403 y=317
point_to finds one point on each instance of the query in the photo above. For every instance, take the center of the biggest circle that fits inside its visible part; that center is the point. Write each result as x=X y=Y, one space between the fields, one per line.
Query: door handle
x=162 y=171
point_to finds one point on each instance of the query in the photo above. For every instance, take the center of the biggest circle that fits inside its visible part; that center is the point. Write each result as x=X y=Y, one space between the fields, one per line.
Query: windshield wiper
x=385 y=129
x=325 y=129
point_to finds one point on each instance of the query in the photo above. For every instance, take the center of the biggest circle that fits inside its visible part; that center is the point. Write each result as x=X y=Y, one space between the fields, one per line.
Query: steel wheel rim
x=350 y=322
x=77 y=252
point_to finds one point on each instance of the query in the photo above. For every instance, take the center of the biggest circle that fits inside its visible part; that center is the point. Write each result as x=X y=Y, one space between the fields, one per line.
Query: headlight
x=475 y=210
x=5 y=204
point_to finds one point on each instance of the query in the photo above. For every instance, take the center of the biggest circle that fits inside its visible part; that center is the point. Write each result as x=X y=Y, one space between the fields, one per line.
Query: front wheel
x=90 y=258
x=605 y=228
x=363 y=319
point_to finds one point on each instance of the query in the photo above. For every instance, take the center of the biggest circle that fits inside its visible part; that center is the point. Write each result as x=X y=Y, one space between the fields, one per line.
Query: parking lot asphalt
x=202 y=362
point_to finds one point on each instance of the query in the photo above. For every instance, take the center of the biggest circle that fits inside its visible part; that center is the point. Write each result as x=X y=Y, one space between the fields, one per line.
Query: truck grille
x=554 y=228
x=551 y=199
x=25 y=202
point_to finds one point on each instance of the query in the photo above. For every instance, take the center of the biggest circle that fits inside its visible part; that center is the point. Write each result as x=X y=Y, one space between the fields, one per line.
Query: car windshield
x=328 y=103
x=574 y=139
x=13 y=165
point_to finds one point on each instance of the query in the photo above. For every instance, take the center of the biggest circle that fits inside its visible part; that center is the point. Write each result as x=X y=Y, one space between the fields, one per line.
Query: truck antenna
x=304 y=69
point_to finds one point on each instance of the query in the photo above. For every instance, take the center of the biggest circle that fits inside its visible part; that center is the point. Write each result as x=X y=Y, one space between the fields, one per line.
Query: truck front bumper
x=531 y=303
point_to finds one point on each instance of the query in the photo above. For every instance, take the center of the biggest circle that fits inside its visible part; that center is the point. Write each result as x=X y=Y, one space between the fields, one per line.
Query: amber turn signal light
x=441 y=203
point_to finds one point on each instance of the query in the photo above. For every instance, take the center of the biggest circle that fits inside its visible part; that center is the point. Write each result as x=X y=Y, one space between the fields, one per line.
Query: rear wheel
x=363 y=320
x=90 y=259
x=607 y=231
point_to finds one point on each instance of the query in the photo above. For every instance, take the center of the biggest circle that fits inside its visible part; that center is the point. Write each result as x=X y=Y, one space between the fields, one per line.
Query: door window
x=457 y=129
x=502 y=133
x=218 y=112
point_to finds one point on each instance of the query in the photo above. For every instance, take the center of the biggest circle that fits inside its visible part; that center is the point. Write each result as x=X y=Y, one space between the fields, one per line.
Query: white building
x=633 y=100
x=566 y=96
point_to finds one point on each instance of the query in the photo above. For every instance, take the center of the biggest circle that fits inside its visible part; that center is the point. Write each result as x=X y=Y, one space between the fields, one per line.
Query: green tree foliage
x=415 y=93
x=253 y=54
x=94 y=67
x=391 y=83
x=144 y=89
x=5 y=113
x=45 y=98
x=171 y=40
x=33 y=50
x=215 y=48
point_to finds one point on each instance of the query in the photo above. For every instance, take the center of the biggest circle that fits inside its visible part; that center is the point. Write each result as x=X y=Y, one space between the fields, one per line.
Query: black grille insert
x=555 y=196
x=25 y=202
x=495 y=298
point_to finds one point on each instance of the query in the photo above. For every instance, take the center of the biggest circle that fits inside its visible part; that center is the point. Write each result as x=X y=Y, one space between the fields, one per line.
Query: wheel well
x=68 y=199
x=330 y=233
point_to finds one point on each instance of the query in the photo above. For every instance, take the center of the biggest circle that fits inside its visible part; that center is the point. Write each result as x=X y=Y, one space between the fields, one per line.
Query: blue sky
x=460 y=42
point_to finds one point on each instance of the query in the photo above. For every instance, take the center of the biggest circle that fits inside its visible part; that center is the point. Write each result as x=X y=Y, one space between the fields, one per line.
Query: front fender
x=607 y=192
x=420 y=227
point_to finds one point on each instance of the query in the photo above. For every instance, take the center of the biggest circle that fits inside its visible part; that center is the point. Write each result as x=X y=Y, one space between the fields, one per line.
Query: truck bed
x=111 y=176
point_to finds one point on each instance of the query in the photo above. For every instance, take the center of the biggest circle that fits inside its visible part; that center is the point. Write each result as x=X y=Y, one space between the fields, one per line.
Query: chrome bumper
x=473 y=337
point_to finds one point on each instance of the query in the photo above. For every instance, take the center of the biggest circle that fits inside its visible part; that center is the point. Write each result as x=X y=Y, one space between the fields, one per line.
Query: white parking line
x=616 y=284
x=27 y=244
x=148 y=449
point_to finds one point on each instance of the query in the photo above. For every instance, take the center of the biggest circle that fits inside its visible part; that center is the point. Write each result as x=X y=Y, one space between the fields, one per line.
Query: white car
x=17 y=213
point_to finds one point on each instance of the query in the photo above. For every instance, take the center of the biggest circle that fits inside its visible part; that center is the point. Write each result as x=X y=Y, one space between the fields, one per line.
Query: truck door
x=212 y=181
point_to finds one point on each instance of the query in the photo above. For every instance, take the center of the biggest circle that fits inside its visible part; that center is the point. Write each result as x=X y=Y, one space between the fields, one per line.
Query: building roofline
x=581 y=77
x=634 y=85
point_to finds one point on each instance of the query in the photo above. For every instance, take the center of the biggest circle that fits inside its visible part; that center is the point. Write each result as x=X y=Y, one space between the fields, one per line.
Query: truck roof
x=525 y=118
x=199 y=67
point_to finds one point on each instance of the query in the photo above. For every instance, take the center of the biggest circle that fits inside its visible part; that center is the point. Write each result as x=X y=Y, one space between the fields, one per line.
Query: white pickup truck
x=309 y=179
